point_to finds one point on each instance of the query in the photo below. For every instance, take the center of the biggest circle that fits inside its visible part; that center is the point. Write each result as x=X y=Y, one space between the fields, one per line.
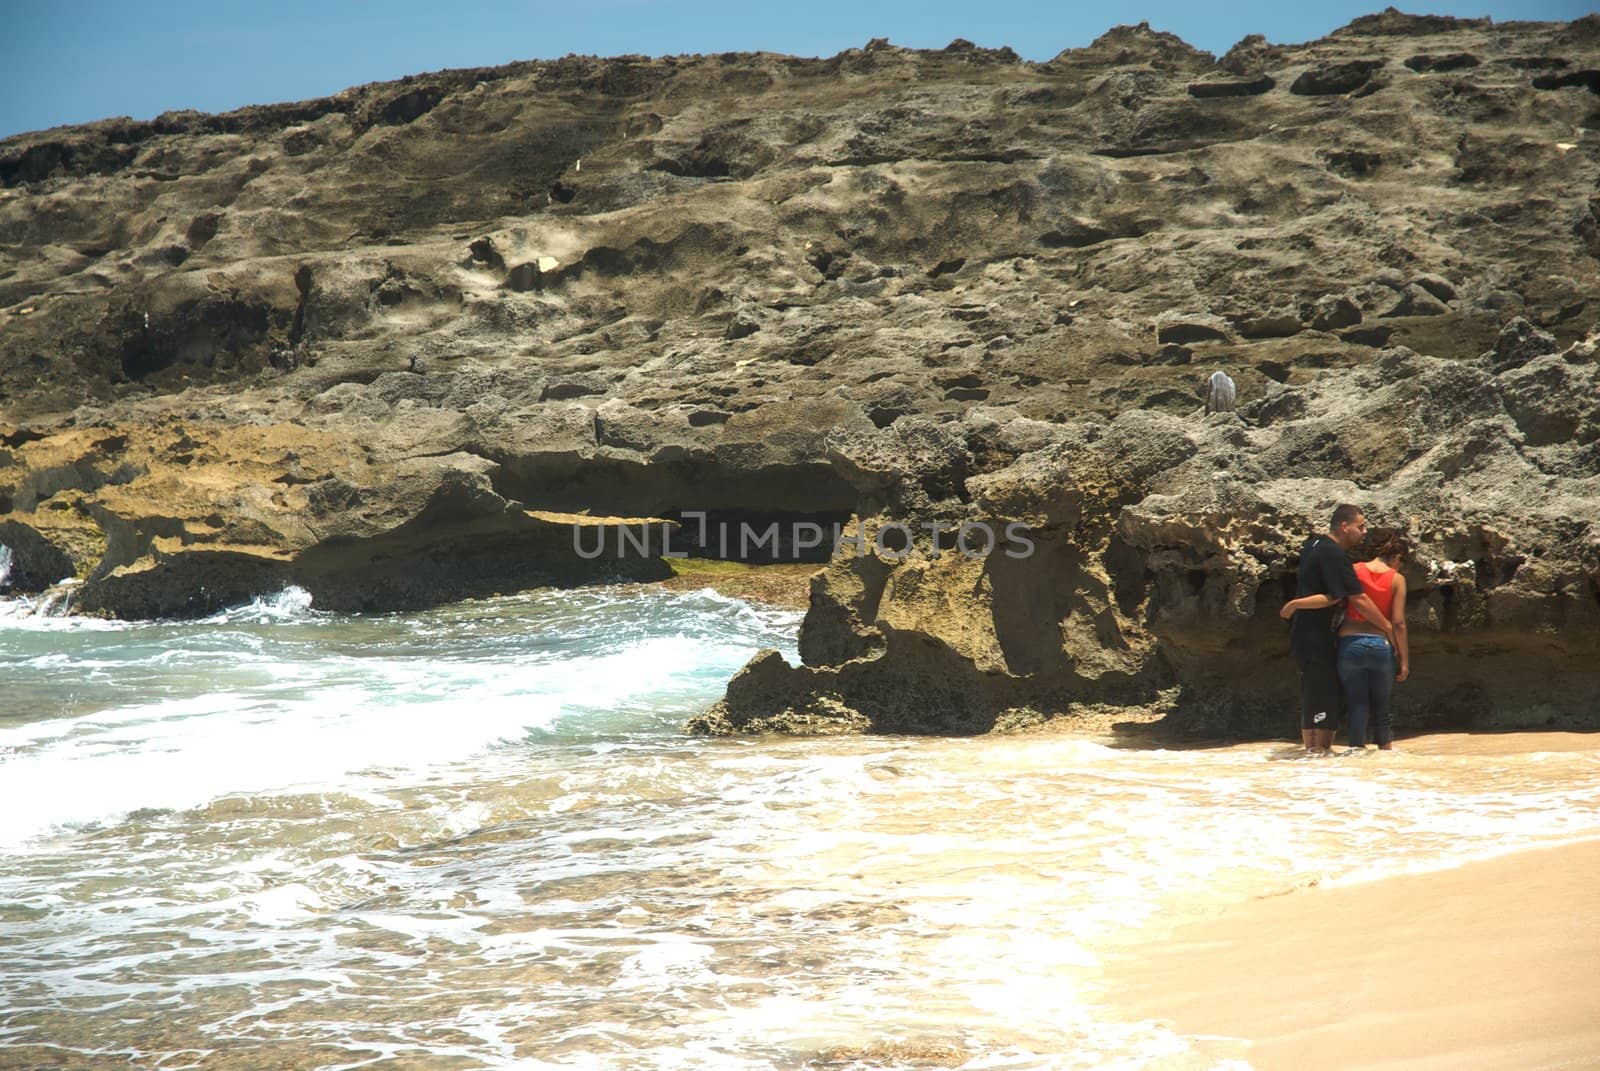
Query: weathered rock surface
x=391 y=343
x=1163 y=547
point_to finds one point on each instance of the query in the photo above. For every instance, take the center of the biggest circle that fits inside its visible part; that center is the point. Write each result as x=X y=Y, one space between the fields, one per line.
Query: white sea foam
x=290 y=603
x=485 y=819
x=300 y=728
x=49 y=610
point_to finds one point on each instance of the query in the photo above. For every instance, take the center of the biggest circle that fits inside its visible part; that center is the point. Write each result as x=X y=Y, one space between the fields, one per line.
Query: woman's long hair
x=1396 y=546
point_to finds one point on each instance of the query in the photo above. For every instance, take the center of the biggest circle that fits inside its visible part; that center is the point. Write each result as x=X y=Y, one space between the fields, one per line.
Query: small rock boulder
x=1415 y=301
x=1437 y=285
x=1249 y=56
x=525 y=277
x=482 y=251
x=574 y=385
x=1585 y=350
x=1335 y=311
x=1551 y=401
x=914 y=463
x=1393 y=278
x=1519 y=343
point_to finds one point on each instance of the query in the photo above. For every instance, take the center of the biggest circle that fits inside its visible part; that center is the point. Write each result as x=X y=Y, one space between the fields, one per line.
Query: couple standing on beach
x=1348 y=634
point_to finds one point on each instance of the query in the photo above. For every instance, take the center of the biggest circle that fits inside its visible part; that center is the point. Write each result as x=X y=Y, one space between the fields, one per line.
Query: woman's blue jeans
x=1366 y=670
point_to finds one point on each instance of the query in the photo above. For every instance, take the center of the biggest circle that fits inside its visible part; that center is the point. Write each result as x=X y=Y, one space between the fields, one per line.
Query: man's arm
x=1307 y=602
x=1363 y=605
x=1339 y=578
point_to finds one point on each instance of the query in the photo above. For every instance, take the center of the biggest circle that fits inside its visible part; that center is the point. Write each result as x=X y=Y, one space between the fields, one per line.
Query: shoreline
x=1492 y=964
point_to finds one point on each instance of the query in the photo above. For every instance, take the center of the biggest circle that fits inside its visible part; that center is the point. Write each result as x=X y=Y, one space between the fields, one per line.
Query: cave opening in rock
x=776 y=513
x=1494 y=571
x=757 y=537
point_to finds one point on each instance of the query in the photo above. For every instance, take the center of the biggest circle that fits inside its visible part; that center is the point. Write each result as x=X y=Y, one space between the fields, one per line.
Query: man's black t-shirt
x=1324 y=570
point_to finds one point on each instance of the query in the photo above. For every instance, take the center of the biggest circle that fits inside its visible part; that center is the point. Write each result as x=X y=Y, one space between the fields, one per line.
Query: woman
x=1367 y=664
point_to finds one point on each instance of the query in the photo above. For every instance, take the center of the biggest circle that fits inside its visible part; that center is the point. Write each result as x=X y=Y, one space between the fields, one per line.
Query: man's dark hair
x=1344 y=513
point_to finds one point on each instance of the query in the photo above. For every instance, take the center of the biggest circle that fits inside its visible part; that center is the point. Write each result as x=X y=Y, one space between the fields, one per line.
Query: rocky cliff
x=413 y=341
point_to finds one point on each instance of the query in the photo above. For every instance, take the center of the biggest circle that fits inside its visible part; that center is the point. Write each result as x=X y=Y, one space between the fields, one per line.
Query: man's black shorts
x=1320 y=695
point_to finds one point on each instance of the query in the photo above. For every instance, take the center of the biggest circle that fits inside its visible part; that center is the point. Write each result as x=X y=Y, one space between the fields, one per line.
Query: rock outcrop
x=413 y=341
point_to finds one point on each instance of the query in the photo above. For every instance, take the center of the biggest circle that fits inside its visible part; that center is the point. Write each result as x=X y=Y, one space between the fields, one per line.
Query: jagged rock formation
x=1164 y=547
x=354 y=342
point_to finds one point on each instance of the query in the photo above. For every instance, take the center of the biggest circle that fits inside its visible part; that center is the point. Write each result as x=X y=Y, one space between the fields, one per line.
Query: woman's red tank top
x=1378 y=586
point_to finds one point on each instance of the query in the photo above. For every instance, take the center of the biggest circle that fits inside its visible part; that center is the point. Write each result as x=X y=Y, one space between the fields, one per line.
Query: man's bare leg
x=1324 y=740
x=1307 y=740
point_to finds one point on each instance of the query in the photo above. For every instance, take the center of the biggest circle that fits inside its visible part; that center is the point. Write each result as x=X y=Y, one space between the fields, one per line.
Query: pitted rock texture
x=355 y=341
x=1162 y=547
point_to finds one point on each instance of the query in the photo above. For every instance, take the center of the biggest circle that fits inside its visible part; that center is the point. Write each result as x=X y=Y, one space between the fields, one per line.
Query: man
x=1326 y=581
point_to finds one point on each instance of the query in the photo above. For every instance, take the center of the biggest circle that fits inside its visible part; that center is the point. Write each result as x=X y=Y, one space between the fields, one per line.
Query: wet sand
x=1491 y=965
x=1506 y=743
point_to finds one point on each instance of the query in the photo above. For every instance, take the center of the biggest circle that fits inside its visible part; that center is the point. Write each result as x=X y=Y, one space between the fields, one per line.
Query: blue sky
x=77 y=60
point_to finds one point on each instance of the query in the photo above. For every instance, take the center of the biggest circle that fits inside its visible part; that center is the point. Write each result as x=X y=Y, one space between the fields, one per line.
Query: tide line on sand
x=1490 y=965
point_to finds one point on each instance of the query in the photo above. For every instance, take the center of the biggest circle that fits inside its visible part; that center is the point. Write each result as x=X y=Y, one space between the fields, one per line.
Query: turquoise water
x=476 y=837
x=104 y=718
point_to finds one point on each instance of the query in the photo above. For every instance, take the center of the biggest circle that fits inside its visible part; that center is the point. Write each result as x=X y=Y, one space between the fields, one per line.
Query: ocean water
x=477 y=838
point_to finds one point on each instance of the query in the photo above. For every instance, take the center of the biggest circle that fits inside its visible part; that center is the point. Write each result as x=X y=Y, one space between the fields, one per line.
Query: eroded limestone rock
x=375 y=344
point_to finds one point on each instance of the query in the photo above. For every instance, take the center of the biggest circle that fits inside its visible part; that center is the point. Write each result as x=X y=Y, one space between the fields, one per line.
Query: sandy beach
x=1494 y=964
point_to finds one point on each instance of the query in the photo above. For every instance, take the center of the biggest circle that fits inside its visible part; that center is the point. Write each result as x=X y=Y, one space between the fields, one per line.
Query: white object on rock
x=1221 y=394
